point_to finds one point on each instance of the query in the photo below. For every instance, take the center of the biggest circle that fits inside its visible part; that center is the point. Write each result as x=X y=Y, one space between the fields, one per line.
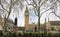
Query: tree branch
x=55 y=14
x=10 y=9
x=42 y=3
x=58 y=0
x=15 y=2
x=30 y=4
x=3 y=7
x=34 y=2
x=39 y=1
x=47 y=10
x=0 y=1
x=36 y=13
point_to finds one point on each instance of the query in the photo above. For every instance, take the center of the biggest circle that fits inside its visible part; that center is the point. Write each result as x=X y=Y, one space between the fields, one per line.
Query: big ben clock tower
x=26 y=18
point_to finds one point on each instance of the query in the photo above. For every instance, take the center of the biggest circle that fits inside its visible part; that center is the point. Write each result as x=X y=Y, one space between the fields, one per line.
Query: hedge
x=29 y=34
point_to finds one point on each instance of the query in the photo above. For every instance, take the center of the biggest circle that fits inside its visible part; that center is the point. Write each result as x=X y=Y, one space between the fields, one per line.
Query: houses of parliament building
x=48 y=26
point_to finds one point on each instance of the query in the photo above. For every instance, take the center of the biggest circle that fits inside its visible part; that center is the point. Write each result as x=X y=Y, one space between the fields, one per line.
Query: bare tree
x=6 y=7
x=36 y=7
x=55 y=8
x=42 y=6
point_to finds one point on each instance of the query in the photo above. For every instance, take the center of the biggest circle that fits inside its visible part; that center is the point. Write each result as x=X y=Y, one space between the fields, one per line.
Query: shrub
x=29 y=34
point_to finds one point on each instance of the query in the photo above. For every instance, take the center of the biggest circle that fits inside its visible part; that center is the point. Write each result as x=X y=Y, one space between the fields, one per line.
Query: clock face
x=26 y=14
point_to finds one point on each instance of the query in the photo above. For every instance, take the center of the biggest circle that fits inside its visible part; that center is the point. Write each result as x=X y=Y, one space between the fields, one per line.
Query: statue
x=15 y=21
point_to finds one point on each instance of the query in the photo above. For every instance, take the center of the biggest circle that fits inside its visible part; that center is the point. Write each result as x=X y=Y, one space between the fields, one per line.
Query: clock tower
x=26 y=18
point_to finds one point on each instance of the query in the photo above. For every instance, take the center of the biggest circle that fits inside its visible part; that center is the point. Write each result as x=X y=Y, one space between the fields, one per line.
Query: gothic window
x=52 y=28
x=9 y=28
x=35 y=29
x=3 y=27
x=48 y=29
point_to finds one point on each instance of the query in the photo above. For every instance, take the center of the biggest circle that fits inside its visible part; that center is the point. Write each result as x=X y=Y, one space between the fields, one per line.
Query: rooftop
x=55 y=22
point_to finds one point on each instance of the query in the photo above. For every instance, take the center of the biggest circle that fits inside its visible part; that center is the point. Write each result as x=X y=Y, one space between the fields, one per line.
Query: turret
x=26 y=18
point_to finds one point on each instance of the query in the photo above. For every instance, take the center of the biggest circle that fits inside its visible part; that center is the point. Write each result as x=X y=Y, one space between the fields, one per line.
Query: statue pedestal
x=15 y=29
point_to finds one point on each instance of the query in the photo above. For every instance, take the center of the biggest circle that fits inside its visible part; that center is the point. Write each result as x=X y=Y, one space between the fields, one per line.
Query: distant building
x=47 y=26
x=55 y=25
x=1 y=23
x=10 y=25
x=30 y=27
x=27 y=26
x=52 y=25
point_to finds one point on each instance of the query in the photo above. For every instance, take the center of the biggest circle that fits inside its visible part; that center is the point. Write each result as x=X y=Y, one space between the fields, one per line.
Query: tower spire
x=45 y=25
x=45 y=21
x=48 y=19
x=26 y=18
x=26 y=11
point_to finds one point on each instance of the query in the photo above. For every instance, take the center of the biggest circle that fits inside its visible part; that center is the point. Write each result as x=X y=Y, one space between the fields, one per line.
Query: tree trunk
x=38 y=18
x=5 y=26
x=38 y=24
x=5 y=19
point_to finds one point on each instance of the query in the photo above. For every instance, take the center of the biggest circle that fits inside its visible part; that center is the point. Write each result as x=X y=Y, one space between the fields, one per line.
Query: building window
x=26 y=30
x=9 y=28
x=35 y=29
x=29 y=30
x=48 y=29
x=52 y=28
x=3 y=27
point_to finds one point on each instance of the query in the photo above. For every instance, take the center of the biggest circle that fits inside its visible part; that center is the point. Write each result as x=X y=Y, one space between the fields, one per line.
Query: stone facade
x=29 y=27
x=52 y=25
x=10 y=25
x=55 y=25
x=1 y=23
x=48 y=26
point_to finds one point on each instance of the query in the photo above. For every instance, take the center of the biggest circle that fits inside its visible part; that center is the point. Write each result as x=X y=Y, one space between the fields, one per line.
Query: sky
x=20 y=14
x=33 y=18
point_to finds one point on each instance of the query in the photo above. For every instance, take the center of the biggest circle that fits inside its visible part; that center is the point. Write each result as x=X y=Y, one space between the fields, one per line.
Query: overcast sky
x=32 y=17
